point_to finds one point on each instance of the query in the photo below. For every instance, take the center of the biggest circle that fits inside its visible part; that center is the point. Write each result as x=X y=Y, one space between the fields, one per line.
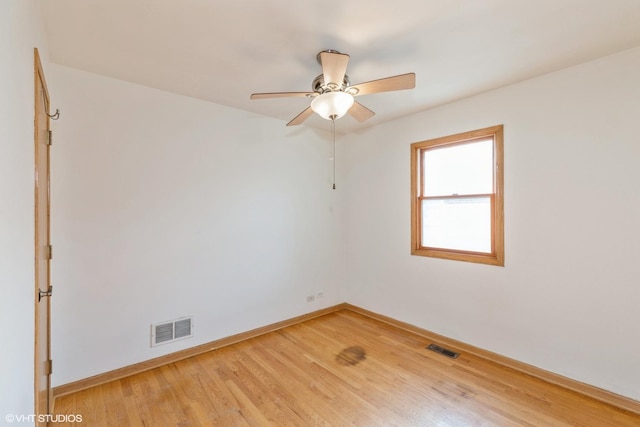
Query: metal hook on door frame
x=54 y=116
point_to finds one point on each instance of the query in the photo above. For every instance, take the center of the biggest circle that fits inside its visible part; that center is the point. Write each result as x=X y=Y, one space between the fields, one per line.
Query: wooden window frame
x=496 y=256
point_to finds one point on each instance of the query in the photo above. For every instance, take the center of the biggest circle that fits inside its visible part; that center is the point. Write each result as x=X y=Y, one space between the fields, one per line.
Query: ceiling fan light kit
x=332 y=105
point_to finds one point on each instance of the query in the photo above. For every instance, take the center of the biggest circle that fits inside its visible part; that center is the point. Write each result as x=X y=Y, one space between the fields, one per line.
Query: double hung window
x=456 y=203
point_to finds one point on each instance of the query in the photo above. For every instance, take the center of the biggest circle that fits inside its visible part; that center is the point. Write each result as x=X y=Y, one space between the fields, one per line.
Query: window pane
x=459 y=169
x=459 y=224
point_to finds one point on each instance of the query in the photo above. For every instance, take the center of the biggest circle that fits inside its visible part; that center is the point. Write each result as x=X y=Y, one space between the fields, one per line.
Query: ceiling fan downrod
x=333 y=132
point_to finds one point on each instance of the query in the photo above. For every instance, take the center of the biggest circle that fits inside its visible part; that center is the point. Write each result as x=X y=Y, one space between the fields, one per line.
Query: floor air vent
x=171 y=330
x=438 y=349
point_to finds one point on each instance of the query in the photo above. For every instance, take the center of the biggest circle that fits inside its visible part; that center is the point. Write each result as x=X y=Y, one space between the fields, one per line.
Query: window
x=456 y=197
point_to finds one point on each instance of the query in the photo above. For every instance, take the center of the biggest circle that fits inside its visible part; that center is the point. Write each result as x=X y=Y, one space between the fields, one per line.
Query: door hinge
x=48 y=367
x=48 y=252
x=47 y=293
x=49 y=138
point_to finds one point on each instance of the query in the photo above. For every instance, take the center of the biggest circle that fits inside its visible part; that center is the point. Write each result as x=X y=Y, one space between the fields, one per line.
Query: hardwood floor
x=336 y=370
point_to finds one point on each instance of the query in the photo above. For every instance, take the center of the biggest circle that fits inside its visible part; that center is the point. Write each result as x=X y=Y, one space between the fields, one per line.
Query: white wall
x=20 y=32
x=572 y=226
x=166 y=206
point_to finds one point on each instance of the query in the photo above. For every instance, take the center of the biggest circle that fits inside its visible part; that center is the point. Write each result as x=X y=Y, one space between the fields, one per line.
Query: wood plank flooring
x=341 y=369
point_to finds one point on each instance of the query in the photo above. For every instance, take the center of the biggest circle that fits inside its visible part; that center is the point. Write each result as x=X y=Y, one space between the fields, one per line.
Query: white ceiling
x=224 y=50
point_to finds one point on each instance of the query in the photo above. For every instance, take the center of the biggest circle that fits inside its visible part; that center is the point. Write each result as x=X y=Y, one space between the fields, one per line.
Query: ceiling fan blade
x=301 y=117
x=360 y=112
x=334 y=67
x=388 y=84
x=280 y=95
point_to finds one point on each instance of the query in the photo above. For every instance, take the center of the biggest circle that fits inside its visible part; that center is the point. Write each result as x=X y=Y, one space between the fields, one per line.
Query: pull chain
x=333 y=132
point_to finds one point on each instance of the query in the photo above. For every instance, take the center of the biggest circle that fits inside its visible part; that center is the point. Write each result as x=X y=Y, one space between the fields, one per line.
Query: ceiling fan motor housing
x=320 y=87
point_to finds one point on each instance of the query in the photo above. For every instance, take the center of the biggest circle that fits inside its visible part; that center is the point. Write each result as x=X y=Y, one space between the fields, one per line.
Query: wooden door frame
x=41 y=101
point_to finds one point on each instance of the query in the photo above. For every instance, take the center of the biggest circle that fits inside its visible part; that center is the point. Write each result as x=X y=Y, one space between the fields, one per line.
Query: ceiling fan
x=332 y=95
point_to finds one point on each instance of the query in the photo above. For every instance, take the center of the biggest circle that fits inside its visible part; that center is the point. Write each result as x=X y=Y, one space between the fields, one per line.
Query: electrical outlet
x=310 y=298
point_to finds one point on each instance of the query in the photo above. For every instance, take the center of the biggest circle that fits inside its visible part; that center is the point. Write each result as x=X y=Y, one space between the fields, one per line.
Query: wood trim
x=593 y=392
x=43 y=394
x=136 y=368
x=479 y=258
x=460 y=138
x=498 y=215
x=40 y=72
x=416 y=191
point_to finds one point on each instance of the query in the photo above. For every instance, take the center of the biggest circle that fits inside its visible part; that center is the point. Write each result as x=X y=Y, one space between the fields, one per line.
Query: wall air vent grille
x=171 y=330
x=164 y=333
x=182 y=328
